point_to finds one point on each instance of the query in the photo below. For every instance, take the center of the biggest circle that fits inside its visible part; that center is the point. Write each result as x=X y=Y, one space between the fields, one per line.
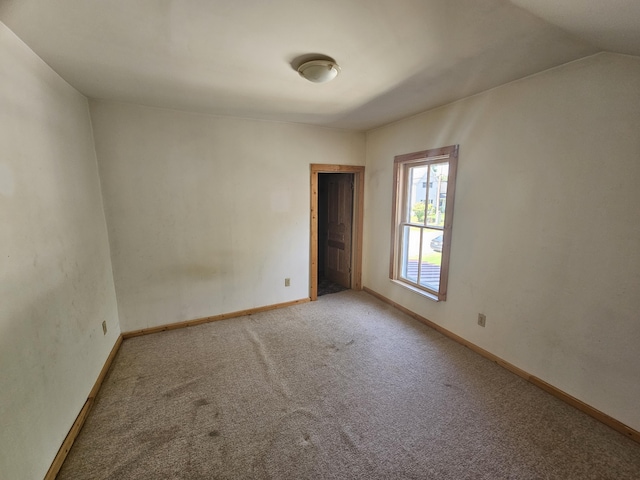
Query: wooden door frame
x=358 y=223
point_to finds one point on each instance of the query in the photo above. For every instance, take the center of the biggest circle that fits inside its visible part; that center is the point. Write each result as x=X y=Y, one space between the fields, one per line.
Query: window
x=421 y=231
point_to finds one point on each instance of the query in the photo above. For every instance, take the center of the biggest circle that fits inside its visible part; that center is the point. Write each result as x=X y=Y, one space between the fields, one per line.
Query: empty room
x=358 y=239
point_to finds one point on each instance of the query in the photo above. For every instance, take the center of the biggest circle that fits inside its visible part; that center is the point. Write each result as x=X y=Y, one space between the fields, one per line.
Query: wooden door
x=340 y=213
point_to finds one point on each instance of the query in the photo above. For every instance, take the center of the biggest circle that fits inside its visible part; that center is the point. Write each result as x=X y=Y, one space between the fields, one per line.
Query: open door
x=344 y=257
x=339 y=193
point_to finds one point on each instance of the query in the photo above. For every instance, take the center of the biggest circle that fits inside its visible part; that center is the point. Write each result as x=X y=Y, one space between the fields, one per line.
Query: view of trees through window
x=427 y=194
x=421 y=211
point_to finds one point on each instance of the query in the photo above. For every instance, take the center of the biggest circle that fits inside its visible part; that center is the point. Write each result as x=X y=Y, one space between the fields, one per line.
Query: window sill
x=428 y=295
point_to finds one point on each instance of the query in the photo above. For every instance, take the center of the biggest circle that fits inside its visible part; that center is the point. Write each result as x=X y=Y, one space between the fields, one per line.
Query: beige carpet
x=342 y=388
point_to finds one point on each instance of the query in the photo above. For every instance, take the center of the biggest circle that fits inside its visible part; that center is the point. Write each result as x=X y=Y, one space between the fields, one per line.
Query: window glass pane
x=431 y=258
x=410 y=253
x=437 y=199
x=417 y=193
x=422 y=201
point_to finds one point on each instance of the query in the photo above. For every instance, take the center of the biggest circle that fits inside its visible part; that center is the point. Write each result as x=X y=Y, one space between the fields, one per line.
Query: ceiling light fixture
x=319 y=71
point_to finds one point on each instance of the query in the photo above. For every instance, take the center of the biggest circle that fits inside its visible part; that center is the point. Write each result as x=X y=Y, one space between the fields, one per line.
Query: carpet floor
x=342 y=388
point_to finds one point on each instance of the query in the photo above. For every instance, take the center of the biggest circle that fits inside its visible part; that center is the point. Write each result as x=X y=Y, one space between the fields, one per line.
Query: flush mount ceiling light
x=319 y=71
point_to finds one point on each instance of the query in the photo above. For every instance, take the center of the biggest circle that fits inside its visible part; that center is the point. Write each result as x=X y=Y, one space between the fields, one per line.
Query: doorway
x=335 y=227
x=337 y=194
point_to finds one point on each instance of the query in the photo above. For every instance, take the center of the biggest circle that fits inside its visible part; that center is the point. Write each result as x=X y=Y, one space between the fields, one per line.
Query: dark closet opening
x=335 y=228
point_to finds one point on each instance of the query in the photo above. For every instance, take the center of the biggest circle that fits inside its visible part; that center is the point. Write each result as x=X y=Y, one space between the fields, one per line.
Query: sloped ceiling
x=231 y=57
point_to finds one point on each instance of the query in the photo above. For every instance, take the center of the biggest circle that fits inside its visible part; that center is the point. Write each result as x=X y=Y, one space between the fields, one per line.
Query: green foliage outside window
x=418 y=212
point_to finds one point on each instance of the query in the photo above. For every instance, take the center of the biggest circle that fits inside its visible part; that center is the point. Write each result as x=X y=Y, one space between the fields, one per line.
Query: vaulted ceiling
x=234 y=57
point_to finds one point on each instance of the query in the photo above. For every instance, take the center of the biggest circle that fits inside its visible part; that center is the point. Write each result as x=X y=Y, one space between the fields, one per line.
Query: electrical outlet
x=287 y=282
x=482 y=319
x=104 y=327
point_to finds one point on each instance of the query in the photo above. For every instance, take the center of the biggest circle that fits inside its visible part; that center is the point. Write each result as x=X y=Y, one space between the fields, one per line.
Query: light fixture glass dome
x=319 y=71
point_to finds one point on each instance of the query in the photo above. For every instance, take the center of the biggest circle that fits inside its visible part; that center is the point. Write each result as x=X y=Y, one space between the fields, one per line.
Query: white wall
x=208 y=215
x=56 y=285
x=546 y=234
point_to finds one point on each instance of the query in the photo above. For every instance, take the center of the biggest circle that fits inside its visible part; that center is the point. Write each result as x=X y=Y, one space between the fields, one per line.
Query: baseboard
x=60 y=457
x=214 y=318
x=556 y=392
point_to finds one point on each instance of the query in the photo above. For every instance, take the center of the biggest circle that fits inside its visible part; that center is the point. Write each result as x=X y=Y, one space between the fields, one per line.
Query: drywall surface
x=546 y=227
x=56 y=285
x=208 y=215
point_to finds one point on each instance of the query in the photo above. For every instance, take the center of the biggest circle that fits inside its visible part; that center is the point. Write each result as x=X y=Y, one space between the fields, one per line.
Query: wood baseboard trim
x=556 y=392
x=60 y=457
x=214 y=318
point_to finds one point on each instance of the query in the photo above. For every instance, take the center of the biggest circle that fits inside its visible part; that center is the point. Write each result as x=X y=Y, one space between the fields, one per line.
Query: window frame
x=401 y=188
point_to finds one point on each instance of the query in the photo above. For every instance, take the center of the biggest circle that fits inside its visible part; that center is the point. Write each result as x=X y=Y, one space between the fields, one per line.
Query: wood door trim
x=358 y=223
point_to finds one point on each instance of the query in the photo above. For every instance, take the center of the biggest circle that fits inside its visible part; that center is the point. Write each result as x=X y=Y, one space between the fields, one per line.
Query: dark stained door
x=339 y=228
